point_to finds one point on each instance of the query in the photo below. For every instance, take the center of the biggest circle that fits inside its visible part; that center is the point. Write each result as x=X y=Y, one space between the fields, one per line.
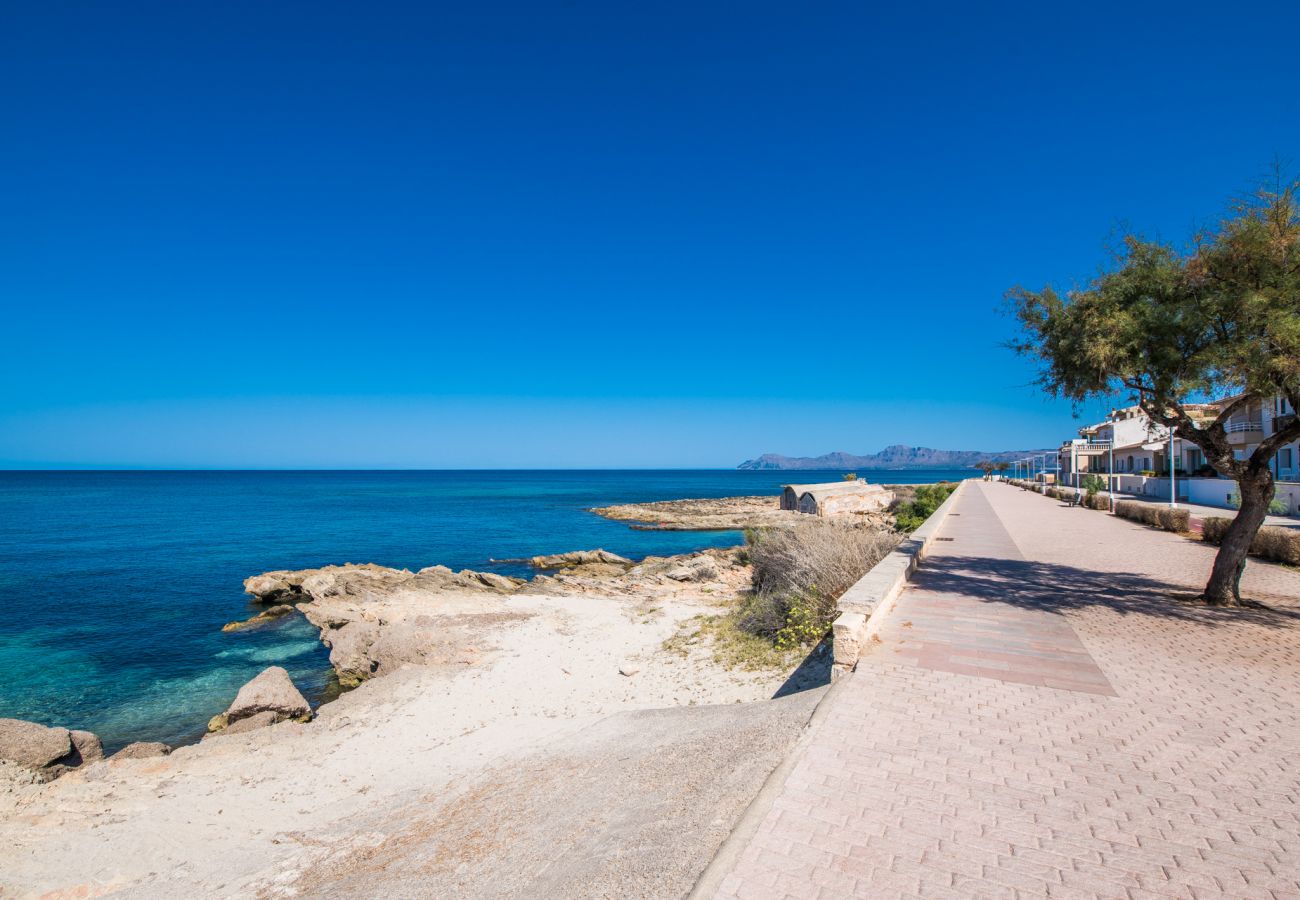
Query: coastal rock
x=697 y=568
x=709 y=514
x=268 y=615
x=142 y=750
x=15 y=777
x=267 y=587
x=47 y=752
x=579 y=558
x=33 y=745
x=292 y=586
x=86 y=748
x=495 y=581
x=628 y=668
x=252 y=723
x=350 y=644
x=272 y=691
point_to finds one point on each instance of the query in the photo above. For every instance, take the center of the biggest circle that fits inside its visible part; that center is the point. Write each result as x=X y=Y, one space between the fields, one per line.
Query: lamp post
x=1173 y=488
x=1110 y=470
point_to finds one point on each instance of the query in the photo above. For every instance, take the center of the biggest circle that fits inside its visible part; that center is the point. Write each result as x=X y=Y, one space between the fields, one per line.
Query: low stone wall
x=863 y=606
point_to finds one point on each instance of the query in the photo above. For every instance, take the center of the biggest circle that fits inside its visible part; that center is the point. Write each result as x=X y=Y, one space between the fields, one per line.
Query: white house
x=1139 y=450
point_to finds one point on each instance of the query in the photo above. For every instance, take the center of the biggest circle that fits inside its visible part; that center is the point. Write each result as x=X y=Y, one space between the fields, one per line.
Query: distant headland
x=896 y=456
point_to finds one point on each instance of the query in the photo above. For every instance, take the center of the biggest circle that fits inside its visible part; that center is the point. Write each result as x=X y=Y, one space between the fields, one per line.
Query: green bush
x=929 y=497
x=1277 y=544
x=1091 y=484
x=1276 y=507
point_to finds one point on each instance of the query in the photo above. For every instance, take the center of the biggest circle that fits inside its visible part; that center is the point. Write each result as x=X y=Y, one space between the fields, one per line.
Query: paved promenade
x=1042 y=717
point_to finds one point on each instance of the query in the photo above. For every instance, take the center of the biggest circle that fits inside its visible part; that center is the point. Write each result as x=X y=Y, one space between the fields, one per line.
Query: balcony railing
x=1238 y=427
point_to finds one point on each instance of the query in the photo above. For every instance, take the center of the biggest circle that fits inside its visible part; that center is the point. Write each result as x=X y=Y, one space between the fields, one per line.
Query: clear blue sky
x=571 y=234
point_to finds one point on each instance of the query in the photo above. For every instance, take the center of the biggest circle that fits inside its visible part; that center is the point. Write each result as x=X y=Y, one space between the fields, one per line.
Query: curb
x=863 y=605
x=728 y=853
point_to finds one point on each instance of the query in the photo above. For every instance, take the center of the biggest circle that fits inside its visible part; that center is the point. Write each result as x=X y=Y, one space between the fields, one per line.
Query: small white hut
x=835 y=498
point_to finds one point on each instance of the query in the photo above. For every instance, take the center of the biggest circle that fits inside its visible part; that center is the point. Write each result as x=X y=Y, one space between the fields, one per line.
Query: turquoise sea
x=117 y=583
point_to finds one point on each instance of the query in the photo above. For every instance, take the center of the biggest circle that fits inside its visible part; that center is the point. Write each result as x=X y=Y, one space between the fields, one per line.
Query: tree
x=986 y=467
x=1168 y=327
x=1001 y=467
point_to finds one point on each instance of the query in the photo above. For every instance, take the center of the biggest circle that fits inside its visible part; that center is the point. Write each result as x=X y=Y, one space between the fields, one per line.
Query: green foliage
x=1221 y=318
x=1276 y=507
x=1091 y=484
x=1166 y=326
x=929 y=497
x=850 y=476
x=806 y=622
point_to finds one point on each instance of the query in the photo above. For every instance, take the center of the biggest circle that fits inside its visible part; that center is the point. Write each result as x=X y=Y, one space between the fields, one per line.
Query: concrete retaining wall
x=863 y=606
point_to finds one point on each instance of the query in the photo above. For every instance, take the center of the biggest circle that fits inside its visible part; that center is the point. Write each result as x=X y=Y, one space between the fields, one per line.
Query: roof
x=835 y=488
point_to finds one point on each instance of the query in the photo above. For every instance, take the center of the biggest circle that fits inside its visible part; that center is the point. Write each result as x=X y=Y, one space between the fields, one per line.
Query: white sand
x=234 y=814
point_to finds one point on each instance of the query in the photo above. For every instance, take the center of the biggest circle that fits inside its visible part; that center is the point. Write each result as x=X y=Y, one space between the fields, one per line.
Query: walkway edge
x=883 y=583
x=863 y=605
x=728 y=853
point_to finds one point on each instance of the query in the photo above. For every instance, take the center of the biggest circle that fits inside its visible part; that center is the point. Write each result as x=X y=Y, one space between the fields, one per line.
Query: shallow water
x=117 y=583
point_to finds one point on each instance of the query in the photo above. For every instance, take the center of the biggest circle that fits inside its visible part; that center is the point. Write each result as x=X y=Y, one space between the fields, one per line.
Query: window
x=1284 y=458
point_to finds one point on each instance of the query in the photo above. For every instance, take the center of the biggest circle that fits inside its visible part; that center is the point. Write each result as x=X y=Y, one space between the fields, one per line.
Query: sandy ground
x=300 y=808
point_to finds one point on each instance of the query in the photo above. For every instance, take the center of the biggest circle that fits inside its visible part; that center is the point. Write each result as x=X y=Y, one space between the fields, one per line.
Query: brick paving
x=1044 y=716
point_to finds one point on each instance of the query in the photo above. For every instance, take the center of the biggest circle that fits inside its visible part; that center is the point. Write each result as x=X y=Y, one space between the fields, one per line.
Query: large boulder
x=47 y=752
x=86 y=748
x=272 y=691
x=270 y=587
x=33 y=745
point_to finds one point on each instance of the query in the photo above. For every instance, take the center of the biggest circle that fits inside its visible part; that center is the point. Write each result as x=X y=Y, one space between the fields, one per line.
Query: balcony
x=1244 y=432
x=1280 y=422
x=1092 y=448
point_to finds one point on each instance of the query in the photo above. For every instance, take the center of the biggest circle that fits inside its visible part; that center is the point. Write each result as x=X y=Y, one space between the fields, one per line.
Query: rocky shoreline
x=724 y=513
x=451 y=675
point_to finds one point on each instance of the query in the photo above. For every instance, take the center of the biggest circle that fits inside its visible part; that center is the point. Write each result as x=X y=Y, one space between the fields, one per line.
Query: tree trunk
x=1256 y=491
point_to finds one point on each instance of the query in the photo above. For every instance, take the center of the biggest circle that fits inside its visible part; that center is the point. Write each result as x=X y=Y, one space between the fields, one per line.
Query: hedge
x=1155 y=516
x=1096 y=501
x=1271 y=542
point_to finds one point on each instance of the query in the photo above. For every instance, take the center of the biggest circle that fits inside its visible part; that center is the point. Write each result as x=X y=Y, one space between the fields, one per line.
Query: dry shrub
x=1097 y=501
x=1138 y=512
x=800 y=573
x=1155 y=516
x=1214 y=528
x=1278 y=544
x=1179 y=520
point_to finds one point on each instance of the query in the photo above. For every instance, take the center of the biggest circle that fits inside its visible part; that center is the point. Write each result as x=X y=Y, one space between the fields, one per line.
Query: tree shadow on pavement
x=1052 y=587
x=813 y=672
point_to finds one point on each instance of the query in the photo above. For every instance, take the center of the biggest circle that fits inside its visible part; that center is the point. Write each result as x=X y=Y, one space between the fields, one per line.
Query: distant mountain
x=897 y=456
